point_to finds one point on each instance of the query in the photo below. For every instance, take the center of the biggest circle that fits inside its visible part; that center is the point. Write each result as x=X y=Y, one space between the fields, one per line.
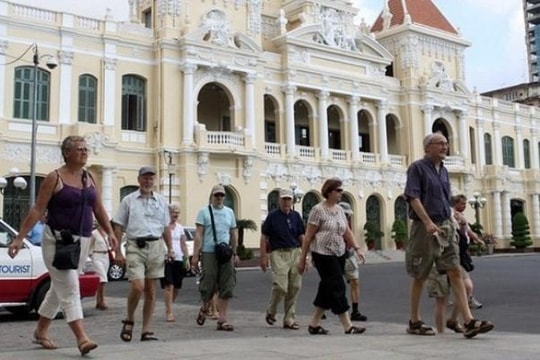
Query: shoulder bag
x=222 y=250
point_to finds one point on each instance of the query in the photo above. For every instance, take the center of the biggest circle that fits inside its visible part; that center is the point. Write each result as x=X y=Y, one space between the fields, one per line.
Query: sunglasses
x=339 y=190
x=82 y=149
x=219 y=195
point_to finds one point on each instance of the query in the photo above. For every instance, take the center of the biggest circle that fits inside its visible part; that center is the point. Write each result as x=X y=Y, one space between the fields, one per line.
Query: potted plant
x=372 y=234
x=521 y=234
x=242 y=225
x=399 y=233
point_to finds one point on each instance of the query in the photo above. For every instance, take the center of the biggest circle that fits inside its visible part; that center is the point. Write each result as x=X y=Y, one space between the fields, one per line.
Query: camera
x=52 y=63
x=66 y=236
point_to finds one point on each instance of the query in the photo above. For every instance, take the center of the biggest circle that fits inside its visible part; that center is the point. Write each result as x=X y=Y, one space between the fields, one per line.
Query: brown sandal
x=355 y=330
x=270 y=319
x=86 y=346
x=127 y=333
x=292 y=326
x=201 y=317
x=224 y=326
x=44 y=342
x=418 y=328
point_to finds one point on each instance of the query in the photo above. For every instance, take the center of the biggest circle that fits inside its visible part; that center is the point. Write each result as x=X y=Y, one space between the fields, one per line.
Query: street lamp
x=298 y=194
x=19 y=184
x=51 y=64
x=170 y=170
x=477 y=203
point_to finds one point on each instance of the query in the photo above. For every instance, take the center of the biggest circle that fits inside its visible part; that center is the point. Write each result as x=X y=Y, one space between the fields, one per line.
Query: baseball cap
x=218 y=189
x=346 y=208
x=147 y=170
x=285 y=193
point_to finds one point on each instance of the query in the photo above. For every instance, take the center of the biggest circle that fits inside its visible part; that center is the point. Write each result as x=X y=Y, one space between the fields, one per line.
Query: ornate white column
x=109 y=91
x=481 y=161
x=506 y=215
x=250 y=104
x=107 y=189
x=64 y=106
x=382 y=109
x=520 y=164
x=353 y=129
x=323 y=124
x=188 y=103
x=497 y=214
x=289 y=91
x=463 y=134
x=497 y=145
x=3 y=47
x=534 y=146
x=535 y=215
x=427 y=109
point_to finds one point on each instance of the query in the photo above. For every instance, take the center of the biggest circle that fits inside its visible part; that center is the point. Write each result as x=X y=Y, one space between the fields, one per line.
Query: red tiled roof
x=423 y=12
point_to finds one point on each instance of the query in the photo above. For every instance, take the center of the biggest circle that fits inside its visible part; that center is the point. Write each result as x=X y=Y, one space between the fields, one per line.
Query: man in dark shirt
x=282 y=234
x=433 y=235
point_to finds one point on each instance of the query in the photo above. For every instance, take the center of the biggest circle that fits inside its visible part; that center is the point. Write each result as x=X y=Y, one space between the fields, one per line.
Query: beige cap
x=147 y=170
x=285 y=193
x=218 y=189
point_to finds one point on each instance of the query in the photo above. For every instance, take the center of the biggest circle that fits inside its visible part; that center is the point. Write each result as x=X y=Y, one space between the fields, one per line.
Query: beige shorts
x=423 y=251
x=437 y=285
x=352 y=268
x=147 y=262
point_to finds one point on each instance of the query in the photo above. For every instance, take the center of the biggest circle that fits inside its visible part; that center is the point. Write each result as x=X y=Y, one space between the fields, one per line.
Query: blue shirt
x=283 y=230
x=224 y=220
x=431 y=187
x=35 y=234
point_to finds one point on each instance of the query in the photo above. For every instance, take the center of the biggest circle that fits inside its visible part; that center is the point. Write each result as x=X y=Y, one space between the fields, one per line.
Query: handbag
x=68 y=250
x=223 y=251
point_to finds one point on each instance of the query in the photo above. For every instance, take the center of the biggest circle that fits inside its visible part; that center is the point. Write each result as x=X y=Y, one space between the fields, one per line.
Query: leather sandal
x=291 y=326
x=270 y=319
x=44 y=342
x=317 y=330
x=201 y=317
x=86 y=346
x=127 y=330
x=355 y=330
x=148 y=336
x=224 y=326
x=418 y=328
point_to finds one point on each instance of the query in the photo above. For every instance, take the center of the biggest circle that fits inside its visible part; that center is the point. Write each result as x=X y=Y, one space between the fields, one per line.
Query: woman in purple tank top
x=62 y=196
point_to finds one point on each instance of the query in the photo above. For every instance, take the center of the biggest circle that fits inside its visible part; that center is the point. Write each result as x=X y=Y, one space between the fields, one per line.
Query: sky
x=496 y=59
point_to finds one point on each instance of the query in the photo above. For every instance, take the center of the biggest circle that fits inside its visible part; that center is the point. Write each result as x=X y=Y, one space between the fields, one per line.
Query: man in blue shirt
x=282 y=234
x=433 y=235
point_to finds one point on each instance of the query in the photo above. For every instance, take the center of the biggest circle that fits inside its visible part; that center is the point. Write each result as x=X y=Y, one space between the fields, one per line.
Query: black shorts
x=174 y=274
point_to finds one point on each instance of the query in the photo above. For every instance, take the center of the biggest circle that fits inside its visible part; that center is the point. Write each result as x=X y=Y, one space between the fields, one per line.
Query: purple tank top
x=64 y=210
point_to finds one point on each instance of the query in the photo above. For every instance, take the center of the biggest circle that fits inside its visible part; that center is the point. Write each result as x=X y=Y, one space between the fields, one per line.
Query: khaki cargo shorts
x=437 y=285
x=147 y=262
x=424 y=250
x=352 y=268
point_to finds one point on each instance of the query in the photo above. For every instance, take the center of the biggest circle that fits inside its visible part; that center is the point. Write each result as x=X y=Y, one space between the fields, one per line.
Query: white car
x=24 y=281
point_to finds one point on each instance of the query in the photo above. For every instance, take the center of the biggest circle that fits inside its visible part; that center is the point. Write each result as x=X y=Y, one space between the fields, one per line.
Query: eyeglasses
x=441 y=143
x=339 y=190
x=219 y=195
x=82 y=149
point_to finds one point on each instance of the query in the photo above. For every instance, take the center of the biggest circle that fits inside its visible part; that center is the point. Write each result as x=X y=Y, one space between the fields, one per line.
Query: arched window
x=508 y=151
x=272 y=200
x=308 y=202
x=23 y=98
x=87 y=99
x=133 y=103
x=526 y=154
x=488 y=149
x=126 y=190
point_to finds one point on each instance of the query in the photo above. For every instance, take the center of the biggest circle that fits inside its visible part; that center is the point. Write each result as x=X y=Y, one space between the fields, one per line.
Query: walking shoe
x=455 y=326
x=356 y=316
x=474 y=304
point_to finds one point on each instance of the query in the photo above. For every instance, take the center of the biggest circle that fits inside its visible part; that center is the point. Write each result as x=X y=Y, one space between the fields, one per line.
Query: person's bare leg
x=149 y=301
x=417 y=286
x=316 y=317
x=460 y=296
x=77 y=328
x=345 y=320
x=168 y=297
x=135 y=291
x=223 y=306
x=440 y=313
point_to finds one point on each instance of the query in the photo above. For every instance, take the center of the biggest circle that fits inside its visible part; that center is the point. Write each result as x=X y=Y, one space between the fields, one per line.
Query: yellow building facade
x=260 y=95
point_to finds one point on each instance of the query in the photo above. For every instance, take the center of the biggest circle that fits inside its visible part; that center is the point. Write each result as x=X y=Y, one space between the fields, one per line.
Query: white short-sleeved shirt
x=176 y=235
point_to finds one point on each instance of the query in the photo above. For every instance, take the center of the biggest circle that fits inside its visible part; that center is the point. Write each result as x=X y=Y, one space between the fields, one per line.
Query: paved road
x=508 y=285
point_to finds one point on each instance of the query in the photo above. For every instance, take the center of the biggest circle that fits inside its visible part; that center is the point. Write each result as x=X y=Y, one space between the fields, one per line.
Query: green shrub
x=244 y=253
x=521 y=234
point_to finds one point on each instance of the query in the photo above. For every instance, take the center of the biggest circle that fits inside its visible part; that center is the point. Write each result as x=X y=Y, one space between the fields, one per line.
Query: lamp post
x=19 y=184
x=477 y=202
x=298 y=194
